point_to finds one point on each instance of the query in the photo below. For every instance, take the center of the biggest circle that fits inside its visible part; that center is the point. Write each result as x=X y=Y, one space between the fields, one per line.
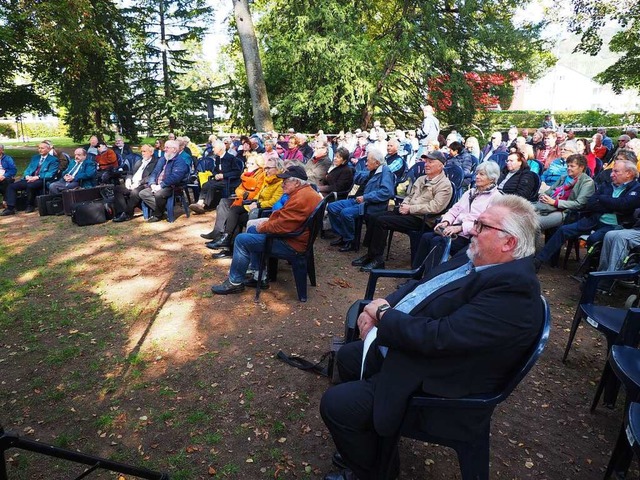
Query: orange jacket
x=107 y=159
x=302 y=202
x=250 y=183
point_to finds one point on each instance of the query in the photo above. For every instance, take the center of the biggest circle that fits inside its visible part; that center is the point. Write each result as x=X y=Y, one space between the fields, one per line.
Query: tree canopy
x=338 y=63
x=589 y=18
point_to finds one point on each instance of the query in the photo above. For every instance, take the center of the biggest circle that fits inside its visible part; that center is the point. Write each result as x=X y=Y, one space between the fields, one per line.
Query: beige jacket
x=429 y=196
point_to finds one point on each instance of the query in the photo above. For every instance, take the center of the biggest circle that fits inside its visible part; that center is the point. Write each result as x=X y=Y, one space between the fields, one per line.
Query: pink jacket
x=465 y=211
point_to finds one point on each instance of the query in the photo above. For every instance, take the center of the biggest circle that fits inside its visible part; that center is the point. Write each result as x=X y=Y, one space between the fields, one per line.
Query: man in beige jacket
x=430 y=194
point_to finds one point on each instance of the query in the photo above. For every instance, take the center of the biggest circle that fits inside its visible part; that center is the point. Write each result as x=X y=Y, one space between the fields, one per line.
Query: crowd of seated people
x=559 y=171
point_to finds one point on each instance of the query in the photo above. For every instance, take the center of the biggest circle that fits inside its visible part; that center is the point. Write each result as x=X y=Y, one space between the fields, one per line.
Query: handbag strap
x=304 y=364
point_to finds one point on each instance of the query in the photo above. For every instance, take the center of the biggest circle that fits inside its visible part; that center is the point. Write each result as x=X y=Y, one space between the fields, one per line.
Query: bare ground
x=111 y=343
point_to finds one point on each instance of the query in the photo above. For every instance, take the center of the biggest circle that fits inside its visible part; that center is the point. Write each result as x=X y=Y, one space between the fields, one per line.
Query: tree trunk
x=253 y=65
x=165 y=65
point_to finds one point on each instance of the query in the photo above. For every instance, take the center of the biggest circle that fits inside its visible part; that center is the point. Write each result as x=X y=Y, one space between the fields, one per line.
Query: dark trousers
x=379 y=224
x=156 y=201
x=212 y=191
x=430 y=240
x=574 y=230
x=237 y=216
x=126 y=200
x=4 y=184
x=32 y=188
x=347 y=411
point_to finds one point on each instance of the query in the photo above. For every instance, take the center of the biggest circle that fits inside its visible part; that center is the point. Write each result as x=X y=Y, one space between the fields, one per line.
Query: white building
x=569 y=85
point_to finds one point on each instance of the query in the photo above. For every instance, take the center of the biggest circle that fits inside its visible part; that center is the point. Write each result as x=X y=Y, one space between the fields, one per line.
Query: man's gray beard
x=471 y=255
x=169 y=156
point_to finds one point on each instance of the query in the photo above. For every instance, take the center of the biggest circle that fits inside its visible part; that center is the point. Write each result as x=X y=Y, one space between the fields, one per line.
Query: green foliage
x=163 y=38
x=337 y=64
x=34 y=129
x=589 y=18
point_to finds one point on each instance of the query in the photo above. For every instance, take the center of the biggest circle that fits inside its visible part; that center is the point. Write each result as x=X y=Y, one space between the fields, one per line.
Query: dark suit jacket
x=228 y=166
x=146 y=173
x=466 y=338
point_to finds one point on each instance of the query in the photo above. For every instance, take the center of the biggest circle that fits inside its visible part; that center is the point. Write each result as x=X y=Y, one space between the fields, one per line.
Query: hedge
x=34 y=129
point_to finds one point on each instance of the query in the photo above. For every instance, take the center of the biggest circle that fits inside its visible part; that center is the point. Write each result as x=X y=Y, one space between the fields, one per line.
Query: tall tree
x=75 y=51
x=253 y=66
x=159 y=31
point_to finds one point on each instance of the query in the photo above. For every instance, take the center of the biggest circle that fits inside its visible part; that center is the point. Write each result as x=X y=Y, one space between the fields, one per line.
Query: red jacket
x=290 y=218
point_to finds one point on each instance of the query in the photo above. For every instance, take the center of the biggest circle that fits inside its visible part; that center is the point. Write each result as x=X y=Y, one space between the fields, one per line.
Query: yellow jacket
x=270 y=193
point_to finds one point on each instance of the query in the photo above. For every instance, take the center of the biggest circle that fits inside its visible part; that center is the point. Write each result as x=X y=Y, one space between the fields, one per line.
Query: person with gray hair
x=610 y=208
x=225 y=176
x=457 y=332
x=8 y=171
x=318 y=166
x=458 y=221
x=376 y=189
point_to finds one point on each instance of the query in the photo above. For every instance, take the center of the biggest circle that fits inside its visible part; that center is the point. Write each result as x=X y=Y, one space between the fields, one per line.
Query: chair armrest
x=590 y=287
x=377 y=273
x=487 y=400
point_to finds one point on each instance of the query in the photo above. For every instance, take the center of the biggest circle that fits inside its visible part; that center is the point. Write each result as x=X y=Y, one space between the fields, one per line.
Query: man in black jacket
x=458 y=332
x=226 y=173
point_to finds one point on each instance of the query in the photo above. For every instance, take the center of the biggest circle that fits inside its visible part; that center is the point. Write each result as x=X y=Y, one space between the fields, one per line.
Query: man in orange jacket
x=248 y=246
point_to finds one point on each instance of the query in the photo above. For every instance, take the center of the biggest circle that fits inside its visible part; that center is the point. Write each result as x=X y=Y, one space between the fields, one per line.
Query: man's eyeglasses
x=479 y=226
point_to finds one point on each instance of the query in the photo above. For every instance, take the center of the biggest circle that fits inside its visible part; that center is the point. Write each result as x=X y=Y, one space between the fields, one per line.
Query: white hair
x=521 y=222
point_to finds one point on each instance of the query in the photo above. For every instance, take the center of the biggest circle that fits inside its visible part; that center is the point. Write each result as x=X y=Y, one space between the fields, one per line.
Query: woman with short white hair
x=459 y=220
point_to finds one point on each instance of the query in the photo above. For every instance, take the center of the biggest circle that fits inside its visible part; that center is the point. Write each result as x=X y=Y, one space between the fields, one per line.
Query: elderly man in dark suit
x=225 y=169
x=127 y=196
x=458 y=332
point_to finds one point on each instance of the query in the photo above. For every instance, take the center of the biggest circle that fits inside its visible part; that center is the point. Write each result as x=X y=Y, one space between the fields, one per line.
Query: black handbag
x=42 y=200
x=89 y=213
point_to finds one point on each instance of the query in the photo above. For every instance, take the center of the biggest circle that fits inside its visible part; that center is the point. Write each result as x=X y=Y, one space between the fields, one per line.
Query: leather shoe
x=253 y=283
x=196 y=208
x=223 y=242
x=226 y=287
x=338 y=461
x=8 y=211
x=360 y=261
x=123 y=217
x=222 y=254
x=337 y=243
x=344 y=474
x=347 y=247
x=375 y=263
x=29 y=209
x=212 y=235
x=154 y=219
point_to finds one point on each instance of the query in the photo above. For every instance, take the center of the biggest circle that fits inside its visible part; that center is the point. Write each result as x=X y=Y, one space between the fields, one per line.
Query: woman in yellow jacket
x=271 y=189
x=230 y=210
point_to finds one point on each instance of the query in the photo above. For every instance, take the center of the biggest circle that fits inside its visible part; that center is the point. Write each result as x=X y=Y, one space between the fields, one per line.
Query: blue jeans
x=574 y=230
x=247 y=249
x=342 y=216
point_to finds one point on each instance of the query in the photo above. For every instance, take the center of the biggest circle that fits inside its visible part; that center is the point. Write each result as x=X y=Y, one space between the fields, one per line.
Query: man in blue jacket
x=378 y=183
x=7 y=171
x=41 y=168
x=610 y=208
x=170 y=172
x=81 y=172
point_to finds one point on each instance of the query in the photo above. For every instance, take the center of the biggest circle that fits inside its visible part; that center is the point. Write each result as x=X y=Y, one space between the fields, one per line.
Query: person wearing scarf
x=250 y=185
x=569 y=192
x=459 y=220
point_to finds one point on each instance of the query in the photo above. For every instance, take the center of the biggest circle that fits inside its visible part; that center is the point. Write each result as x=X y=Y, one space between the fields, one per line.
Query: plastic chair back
x=303 y=264
x=500 y=158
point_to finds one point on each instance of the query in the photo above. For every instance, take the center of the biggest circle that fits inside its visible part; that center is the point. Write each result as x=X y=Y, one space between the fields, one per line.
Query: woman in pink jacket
x=459 y=220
